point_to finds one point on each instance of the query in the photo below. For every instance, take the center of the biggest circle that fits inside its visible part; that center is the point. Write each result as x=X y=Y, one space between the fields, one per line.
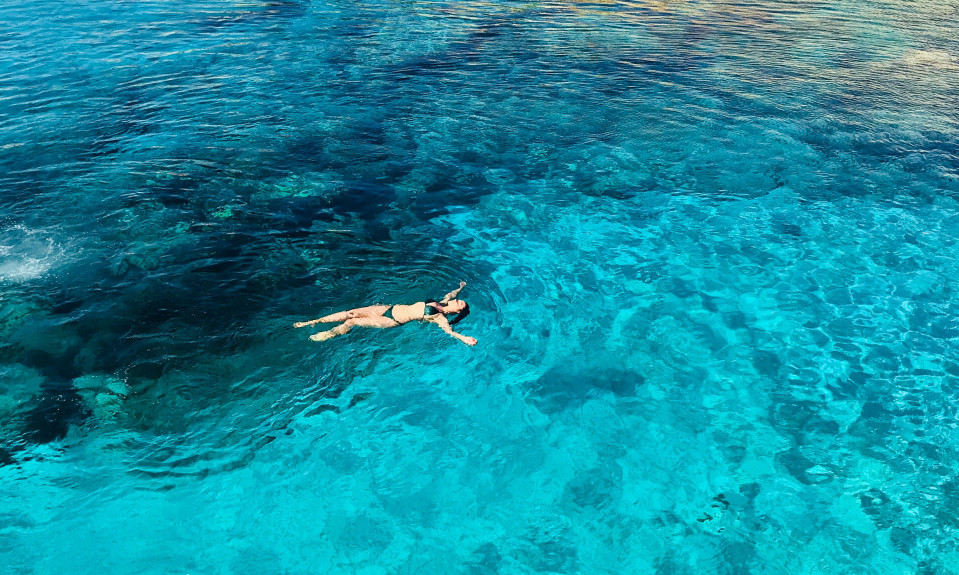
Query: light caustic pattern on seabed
x=710 y=250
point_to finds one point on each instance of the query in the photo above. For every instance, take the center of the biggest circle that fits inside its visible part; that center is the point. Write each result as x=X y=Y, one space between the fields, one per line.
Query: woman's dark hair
x=461 y=315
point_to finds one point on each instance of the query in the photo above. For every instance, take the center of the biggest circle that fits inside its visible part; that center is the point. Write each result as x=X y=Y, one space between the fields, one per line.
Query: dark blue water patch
x=485 y=560
x=947 y=508
x=786 y=229
x=932 y=566
x=880 y=507
x=620 y=192
x=215 y=285
x=58 y=407
x=332 y=393
x=6 y=457
x=945 y=328
x=732 y=449
x=18 y=192
x=800 y=419
x=448 y=190
x=735 y=320
x=31 y=179
x=120 y=124
x=597 y=487
x=705 y=334
x=847 y=387
x=547 y=547
x=872 y=429
x=882 y=147
x=798 y=466
x=434 y=65
x=567 y=387
x=910 y=163
x=178 y=191
x=767 y=363
x=366 y=199
x=882 y=359
x=940 y=146
x=166 y=463
x=364 y=142
x=905 y=539
x=58 y=366
x=927 y=453
x=264 y=12
x=212 y=302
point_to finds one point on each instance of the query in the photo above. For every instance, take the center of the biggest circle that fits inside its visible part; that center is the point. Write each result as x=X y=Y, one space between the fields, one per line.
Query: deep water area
x=712 y=255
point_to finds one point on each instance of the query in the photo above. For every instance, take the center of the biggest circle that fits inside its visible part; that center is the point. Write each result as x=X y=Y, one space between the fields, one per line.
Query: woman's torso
x=405 y=313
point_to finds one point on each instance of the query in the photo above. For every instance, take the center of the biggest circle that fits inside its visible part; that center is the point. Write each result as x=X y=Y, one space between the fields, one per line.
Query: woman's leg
x=368 y=311
x=345 y=327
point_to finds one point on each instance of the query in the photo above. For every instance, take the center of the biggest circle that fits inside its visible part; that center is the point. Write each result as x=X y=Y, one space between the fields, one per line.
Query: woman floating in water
x=384 y=316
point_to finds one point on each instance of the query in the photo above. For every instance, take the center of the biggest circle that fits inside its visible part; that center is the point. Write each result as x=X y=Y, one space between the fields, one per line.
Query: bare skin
x=373 y=316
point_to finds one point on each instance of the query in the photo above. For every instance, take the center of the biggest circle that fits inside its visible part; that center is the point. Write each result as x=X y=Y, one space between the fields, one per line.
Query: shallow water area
x=710 y=254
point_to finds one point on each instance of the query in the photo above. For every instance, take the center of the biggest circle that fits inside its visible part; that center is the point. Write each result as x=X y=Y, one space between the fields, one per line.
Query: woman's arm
x=444 y=324
x=453 y=293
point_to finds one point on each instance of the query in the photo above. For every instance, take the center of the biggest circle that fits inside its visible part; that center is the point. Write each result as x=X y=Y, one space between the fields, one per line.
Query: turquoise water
x=712 y=260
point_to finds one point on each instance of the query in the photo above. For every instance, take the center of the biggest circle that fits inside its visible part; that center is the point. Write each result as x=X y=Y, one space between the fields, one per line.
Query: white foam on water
x=27 y=254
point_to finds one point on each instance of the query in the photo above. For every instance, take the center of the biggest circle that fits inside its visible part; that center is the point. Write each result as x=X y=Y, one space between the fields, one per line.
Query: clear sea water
x=713 y=259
